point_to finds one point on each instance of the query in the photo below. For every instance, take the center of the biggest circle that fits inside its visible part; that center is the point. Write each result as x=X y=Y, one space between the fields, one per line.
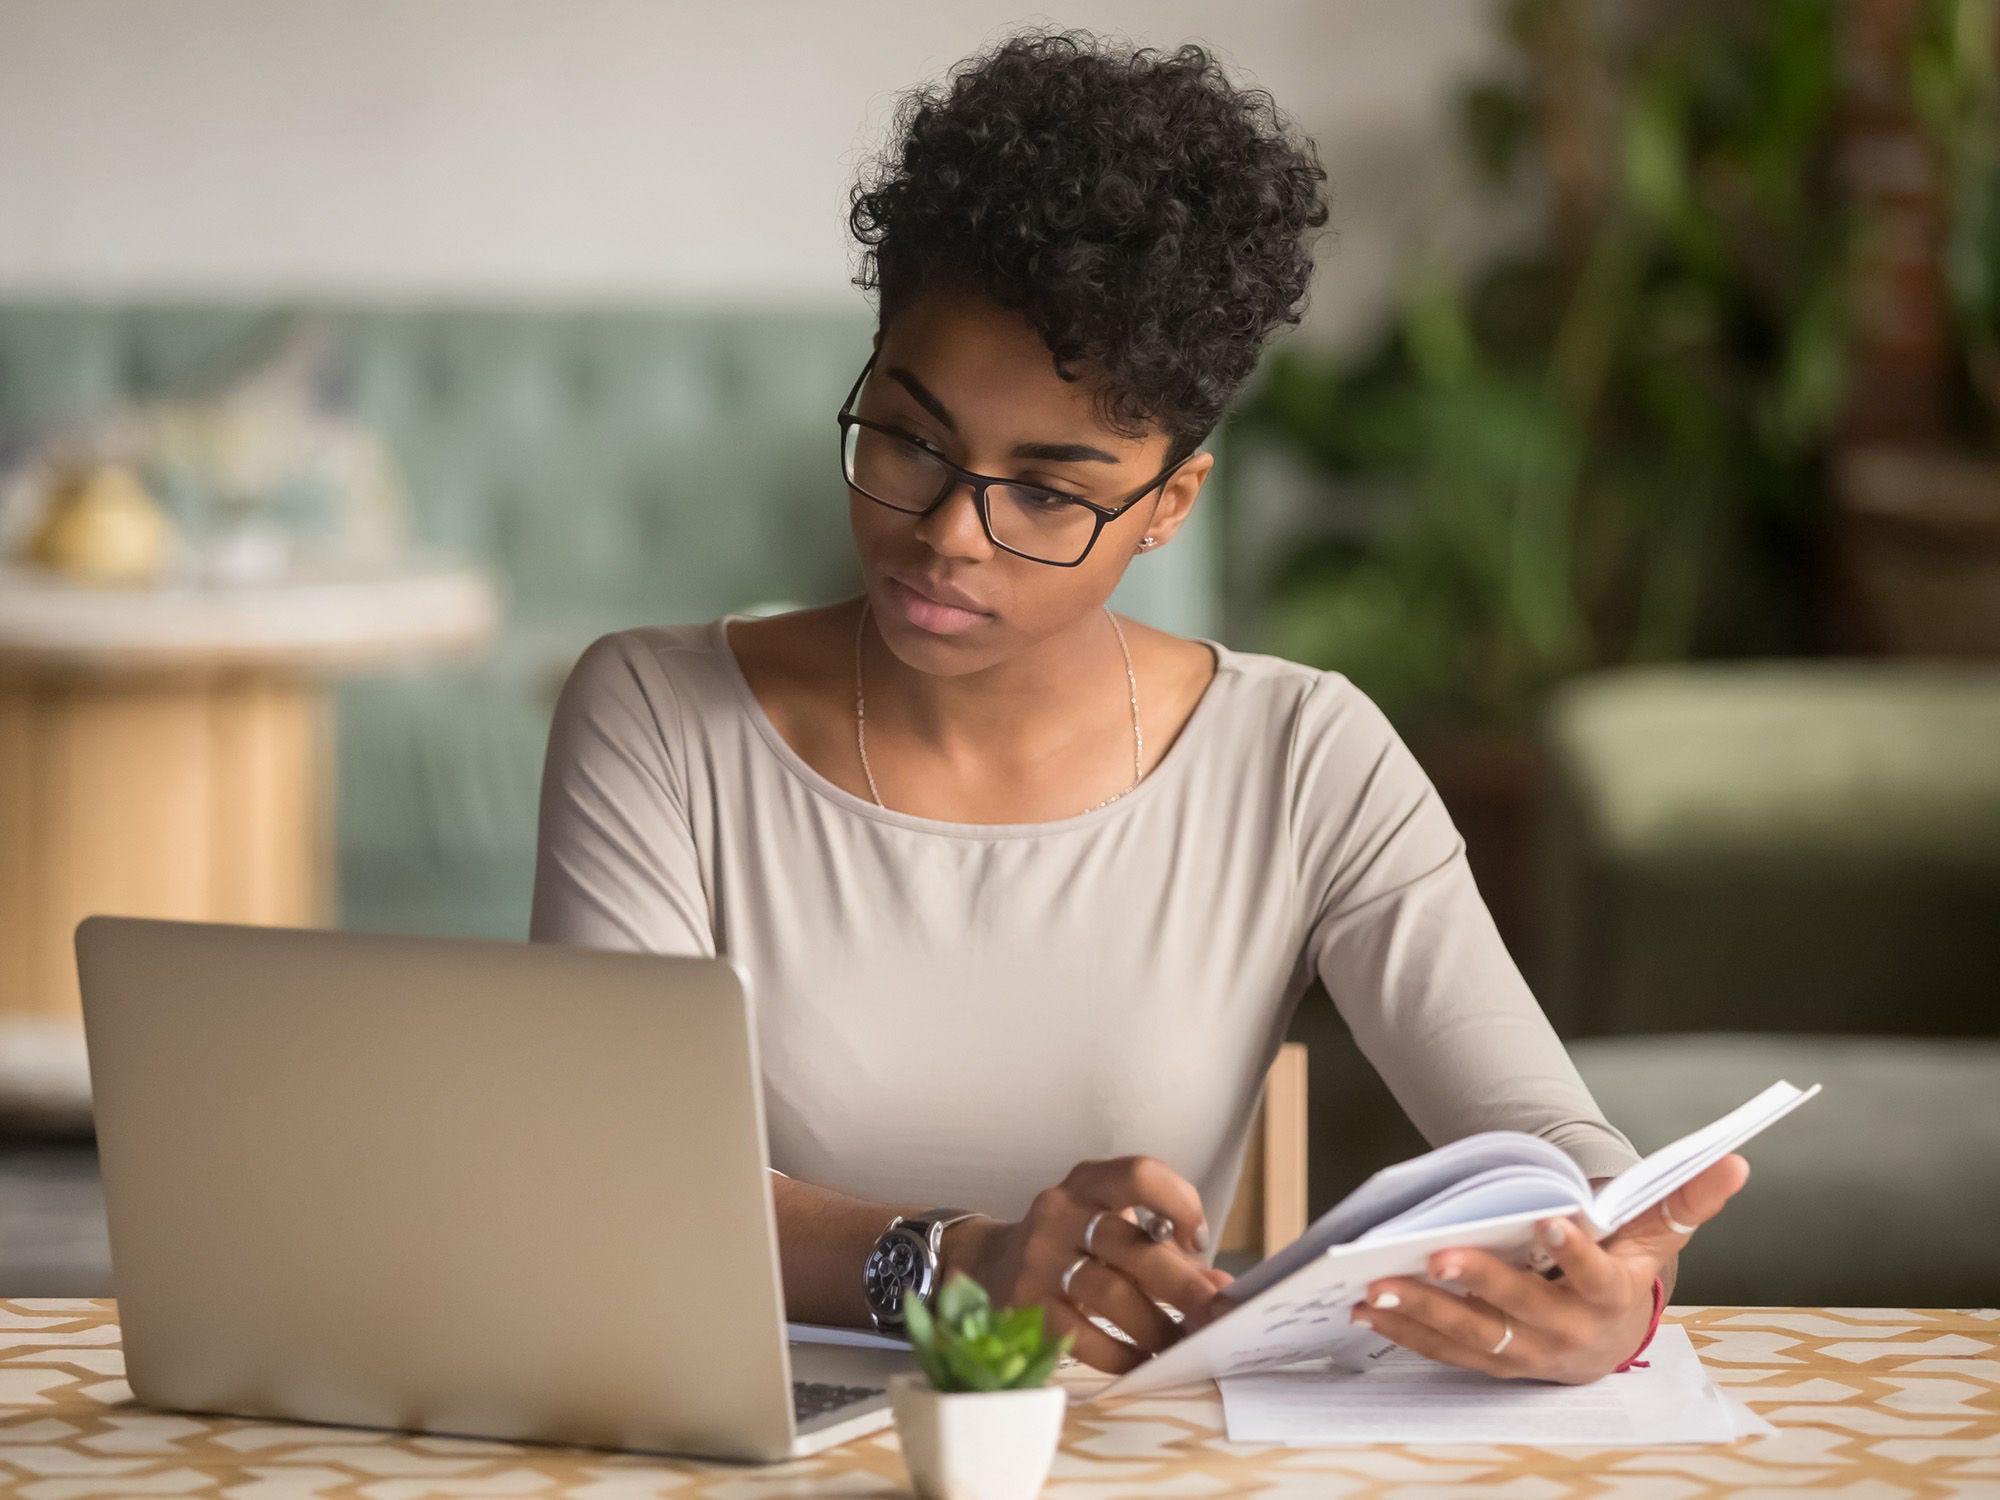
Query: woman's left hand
x=1574 y=1329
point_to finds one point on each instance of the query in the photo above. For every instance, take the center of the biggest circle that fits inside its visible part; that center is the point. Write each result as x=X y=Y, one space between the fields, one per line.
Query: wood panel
x=20 y=834
x=194 y=796
x=268 y=805
x=1270 y=1207
x=1285 y=1136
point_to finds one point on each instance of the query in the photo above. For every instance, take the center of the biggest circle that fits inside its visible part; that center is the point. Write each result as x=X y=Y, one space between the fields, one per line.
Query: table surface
x=1868 y=1402
x=324 y=617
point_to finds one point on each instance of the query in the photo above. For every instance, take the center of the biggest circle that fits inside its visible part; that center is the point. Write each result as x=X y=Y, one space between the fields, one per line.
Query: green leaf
x=974 y=1373
x=961 y=1298
x=935 y=1369
x=923 y=1339
x=1038 y=1370
x=1024 y=1323
x=917 y=1318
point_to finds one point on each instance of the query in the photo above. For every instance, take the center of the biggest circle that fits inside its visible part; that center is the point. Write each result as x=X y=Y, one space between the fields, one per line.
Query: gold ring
x=1074 y=1266
x=1675 y=1224
x=1091 y=1229
x=1505 y=1338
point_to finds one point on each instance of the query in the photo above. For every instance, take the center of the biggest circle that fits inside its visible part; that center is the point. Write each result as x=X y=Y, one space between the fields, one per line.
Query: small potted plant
x=981 y=1422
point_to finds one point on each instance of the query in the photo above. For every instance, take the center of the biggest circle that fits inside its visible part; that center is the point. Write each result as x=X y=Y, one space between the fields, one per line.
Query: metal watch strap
x=933 y=1223
x=938 y=1221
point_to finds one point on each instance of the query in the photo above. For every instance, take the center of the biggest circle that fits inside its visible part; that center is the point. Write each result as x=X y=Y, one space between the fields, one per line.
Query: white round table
x=165 y=750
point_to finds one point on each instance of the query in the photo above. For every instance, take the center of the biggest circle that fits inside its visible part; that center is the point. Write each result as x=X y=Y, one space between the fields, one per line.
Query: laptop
x=450 y=1185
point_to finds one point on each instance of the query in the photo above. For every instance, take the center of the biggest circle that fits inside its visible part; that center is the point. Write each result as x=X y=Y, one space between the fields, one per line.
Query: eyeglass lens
x=904 y=475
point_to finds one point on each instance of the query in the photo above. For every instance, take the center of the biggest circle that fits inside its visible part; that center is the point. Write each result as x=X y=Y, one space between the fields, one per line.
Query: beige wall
x=604 y=147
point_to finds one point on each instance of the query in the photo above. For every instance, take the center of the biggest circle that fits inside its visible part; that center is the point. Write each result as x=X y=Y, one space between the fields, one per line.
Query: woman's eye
x=1042 y=494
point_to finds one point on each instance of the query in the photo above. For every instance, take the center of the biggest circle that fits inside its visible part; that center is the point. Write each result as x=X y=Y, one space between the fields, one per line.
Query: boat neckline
x=1166 y=769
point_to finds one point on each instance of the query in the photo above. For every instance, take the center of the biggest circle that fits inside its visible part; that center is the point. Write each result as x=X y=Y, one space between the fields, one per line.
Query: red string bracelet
x=1659 y=1301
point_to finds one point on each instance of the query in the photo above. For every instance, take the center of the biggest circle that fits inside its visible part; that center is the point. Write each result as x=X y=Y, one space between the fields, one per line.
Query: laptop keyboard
x=815 y=1398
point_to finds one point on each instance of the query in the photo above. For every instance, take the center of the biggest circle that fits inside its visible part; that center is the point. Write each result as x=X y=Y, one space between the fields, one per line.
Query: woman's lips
x=927 y=613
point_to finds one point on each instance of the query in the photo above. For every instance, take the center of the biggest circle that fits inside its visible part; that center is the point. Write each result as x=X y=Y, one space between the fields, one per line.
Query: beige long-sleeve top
x=958 y=1013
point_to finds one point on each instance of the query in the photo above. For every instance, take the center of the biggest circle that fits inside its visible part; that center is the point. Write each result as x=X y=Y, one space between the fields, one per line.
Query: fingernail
x=1385 y=1299
x=1556 y=1231
x=1449 y=1268
x=1364 y=1322
x=1201 y=1237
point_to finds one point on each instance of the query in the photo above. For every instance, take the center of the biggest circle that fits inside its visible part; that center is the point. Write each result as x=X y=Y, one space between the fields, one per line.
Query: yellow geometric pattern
x=1870 y=1403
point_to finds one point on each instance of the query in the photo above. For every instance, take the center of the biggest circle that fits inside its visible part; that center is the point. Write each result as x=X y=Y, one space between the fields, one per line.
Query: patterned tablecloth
x=1868 y=1402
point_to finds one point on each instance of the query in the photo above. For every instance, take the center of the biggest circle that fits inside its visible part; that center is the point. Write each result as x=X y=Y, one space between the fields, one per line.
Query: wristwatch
x=904 y=1263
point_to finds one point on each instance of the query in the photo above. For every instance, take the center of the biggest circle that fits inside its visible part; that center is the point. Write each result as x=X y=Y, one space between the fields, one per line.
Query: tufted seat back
x=615 y=465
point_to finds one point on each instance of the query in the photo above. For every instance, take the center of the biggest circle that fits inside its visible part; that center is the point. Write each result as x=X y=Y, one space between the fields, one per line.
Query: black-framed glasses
x=893 y=468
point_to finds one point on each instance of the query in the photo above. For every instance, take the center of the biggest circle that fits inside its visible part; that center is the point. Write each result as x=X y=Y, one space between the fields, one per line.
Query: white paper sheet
x=1406 y=1398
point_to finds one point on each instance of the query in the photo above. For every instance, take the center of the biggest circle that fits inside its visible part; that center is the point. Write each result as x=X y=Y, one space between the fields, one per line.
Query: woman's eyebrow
x=1054 y=453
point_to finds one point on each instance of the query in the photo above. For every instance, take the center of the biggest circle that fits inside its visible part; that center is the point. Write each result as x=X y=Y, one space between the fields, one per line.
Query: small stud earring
x=1143 y=545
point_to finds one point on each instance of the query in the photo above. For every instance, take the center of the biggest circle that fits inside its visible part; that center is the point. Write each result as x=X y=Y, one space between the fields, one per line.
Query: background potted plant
x=1916 y=482
x=1603 y=445
x=981 y=1422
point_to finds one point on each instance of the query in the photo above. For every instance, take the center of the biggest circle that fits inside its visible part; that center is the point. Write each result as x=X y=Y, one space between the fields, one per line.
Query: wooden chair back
x=1270 y=1207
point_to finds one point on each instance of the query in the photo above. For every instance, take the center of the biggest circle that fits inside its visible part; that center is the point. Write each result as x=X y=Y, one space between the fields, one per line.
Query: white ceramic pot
x=977 y=1445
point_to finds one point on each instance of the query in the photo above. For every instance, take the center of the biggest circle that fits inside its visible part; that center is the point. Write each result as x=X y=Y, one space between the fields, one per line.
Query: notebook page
x=1500 y=1190
x=1397 y=1189
x=1643 y=1184
x=1305 y=1316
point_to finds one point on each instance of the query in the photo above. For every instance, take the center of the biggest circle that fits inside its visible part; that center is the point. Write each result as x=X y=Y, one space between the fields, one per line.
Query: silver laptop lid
x=504 y=1189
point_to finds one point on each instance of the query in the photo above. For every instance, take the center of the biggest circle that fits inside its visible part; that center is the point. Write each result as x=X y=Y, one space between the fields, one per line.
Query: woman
x=1028 y=892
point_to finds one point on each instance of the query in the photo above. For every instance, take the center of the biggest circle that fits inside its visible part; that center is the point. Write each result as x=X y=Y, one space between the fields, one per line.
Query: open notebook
x=1487 y=1190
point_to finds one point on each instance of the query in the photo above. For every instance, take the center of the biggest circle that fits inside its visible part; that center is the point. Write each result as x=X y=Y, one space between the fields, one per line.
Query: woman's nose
x=952 y=526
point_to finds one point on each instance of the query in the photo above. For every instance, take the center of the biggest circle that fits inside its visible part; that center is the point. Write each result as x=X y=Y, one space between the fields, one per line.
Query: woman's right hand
x=1122 y=1282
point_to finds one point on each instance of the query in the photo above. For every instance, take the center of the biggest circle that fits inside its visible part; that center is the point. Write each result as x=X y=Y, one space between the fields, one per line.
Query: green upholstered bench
x=1792 y=869
x=1774 y=846
x=616 y=465
x=1882 y=1191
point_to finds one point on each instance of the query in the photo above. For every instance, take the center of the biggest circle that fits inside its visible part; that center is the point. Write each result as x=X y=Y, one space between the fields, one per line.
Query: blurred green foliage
x=1605 y=448
x=1955 y=86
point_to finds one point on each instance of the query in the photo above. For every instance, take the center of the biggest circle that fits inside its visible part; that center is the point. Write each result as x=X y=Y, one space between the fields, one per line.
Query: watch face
x=896 y=1265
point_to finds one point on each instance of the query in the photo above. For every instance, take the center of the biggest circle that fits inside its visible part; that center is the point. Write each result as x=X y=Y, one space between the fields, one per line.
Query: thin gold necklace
x=861 y=713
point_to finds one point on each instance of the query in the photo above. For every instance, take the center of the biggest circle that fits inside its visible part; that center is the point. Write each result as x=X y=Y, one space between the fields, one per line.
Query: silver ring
x=1675 y=1224
x=1074 y=1266
x=1091 y=1229
x=1505 y=1338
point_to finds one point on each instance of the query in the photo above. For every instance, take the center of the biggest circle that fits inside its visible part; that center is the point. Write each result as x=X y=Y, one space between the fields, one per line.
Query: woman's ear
x=1177 y=498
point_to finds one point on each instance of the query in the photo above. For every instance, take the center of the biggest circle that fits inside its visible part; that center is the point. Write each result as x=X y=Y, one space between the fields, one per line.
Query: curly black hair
x=1139 y=210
